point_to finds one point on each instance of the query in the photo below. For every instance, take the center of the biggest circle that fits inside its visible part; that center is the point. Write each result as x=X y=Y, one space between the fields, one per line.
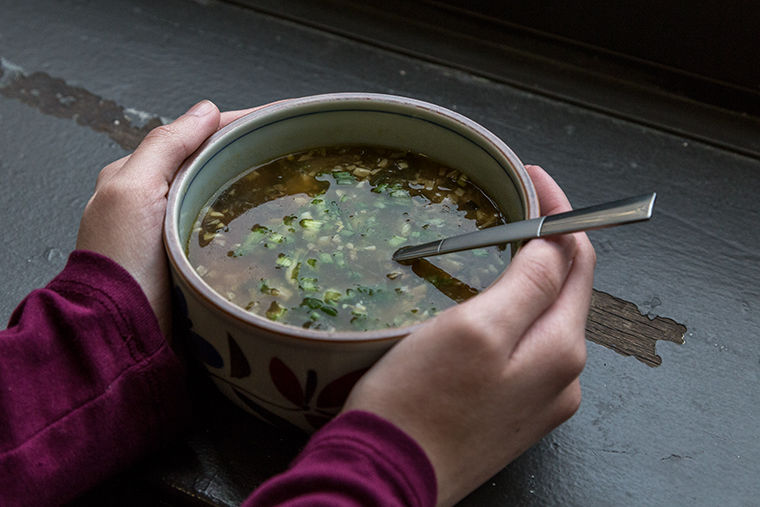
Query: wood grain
x=620 y=326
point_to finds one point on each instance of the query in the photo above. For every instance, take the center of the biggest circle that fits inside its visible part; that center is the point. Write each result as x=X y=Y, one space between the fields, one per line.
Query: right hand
x=488 y=378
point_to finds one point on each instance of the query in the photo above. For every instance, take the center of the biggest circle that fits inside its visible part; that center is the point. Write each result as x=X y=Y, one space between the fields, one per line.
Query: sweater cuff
x=104 y=279
x=163 y=375
x=391 y=449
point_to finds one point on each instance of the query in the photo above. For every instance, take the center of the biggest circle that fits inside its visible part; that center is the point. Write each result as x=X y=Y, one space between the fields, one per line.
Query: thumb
x=166 y=147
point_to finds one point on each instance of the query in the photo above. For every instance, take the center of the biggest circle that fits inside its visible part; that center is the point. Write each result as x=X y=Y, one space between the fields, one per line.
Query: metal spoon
x=624 y=211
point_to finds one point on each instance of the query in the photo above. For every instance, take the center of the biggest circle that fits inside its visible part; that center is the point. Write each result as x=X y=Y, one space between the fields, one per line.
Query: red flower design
x=329 y=400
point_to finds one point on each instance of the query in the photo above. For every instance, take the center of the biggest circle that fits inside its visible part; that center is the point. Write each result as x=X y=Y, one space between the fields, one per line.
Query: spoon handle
x=624 y=211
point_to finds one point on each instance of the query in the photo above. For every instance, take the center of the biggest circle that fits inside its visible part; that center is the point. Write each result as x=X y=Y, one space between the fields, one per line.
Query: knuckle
x=592 y=254
x=106 y=173
x=586 y=249
x=542 y=276
x=570 y=401
x=575 y=359
x=117 y=190
x=167 y=138
x=571 y=356
x=566 y=404
x=463 y=321
x=566 y=353
x=161 y=133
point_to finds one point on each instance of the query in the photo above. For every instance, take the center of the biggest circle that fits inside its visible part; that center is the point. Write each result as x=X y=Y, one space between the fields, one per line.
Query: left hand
x=123 y=220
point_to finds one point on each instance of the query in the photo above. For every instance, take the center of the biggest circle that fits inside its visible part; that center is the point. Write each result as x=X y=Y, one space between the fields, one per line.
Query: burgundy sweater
x=88 y=384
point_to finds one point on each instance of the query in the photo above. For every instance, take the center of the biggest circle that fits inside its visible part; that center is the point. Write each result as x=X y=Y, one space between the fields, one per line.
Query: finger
x=166 y=147
x=230 y=116
x=557 y=338
x=529 y=286
x=574 y=300
x=552 y=199
x=580 y=278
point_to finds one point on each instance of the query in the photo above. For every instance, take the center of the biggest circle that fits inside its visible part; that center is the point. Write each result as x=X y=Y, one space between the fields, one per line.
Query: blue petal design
x=183 y=326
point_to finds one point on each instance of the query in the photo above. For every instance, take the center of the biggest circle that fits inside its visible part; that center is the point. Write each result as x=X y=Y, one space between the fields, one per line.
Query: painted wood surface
x=82 y=81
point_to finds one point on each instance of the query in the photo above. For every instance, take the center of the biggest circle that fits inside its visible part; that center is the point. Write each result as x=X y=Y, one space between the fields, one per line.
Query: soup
x=307 y=239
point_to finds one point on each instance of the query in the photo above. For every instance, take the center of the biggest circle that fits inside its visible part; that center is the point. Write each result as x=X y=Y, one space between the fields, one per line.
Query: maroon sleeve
x=87 y=383
x=357 y=459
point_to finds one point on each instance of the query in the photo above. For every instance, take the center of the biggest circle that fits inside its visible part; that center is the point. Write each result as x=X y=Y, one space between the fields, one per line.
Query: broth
x=307 y=239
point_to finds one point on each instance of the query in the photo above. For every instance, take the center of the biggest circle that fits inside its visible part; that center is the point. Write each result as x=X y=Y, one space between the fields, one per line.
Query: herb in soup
x=307 y=239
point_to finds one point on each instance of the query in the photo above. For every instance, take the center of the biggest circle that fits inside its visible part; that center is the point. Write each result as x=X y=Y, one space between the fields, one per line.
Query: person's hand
x=487 y=379
x=124 y=218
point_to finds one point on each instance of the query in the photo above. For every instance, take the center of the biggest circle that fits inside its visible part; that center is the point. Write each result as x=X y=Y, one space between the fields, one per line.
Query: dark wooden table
x=82 y=81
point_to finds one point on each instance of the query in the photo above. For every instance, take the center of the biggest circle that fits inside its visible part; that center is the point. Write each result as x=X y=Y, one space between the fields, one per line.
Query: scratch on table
x=676 y=457
x=611 y=451
x=620 y=326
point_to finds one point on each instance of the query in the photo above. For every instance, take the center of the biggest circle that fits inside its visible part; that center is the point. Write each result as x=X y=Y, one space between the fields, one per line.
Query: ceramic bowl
x=284 y=374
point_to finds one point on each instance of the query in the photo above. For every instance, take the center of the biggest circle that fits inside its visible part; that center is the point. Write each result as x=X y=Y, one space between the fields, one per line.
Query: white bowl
x=285 y=374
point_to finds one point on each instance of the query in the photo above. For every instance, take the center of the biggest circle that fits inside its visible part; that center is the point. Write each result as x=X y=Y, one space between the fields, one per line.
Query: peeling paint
x=53 y=96
x=620 y=326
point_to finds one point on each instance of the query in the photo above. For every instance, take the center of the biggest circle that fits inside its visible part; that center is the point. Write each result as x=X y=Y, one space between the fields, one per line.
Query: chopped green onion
x=309 y=284
x=310 y=224
x=331 y=296
x=396 y=241
x=369 y=291
x=284 y=261
x=275 y=311
x=266 y=289
x=312 y=303
x=344 y=178
x=276 y=237
x=316 y=304
x=256 y=235
x=294 y=270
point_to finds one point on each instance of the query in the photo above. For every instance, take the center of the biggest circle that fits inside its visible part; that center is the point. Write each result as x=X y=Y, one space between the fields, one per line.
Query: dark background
x=711 y=39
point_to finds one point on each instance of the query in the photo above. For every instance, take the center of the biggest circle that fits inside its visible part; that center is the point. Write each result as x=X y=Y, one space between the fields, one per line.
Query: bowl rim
x=217 y=141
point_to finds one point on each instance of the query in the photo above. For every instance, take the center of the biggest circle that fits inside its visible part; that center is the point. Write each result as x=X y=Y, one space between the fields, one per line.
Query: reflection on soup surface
x=307 y=239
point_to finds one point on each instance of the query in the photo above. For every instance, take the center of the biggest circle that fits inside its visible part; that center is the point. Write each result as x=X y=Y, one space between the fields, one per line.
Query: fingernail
x=202 y=108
